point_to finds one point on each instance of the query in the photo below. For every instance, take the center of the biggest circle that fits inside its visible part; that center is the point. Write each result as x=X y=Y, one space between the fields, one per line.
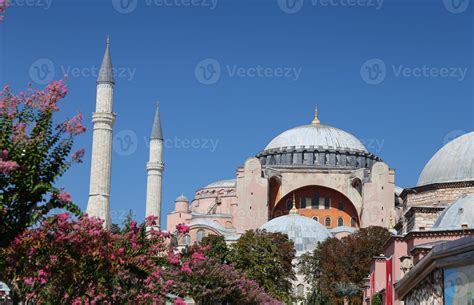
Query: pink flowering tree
x=34 y=152
x=68 y=261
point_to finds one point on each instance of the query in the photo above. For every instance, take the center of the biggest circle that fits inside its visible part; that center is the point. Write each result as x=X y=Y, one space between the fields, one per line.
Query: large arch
x=326 y=205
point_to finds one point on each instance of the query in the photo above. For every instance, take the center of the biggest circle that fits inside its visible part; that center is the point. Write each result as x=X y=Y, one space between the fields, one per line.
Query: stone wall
x=437 y=196
x=427 y=292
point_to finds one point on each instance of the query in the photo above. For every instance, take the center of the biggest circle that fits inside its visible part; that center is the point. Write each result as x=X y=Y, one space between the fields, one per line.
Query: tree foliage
x=78 y=262
x=266 y=258
x=346 y=260
x=34 y=153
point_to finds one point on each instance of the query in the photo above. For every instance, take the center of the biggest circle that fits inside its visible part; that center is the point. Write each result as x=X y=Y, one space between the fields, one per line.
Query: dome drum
x=317 y=157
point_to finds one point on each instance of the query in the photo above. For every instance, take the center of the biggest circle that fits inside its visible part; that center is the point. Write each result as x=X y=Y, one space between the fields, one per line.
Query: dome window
x=340 y=222
x=327 y=222
x=353 y=222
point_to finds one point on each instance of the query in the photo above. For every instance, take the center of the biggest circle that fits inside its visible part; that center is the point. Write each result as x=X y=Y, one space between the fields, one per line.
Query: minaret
x=155 y=169
x=103 y=119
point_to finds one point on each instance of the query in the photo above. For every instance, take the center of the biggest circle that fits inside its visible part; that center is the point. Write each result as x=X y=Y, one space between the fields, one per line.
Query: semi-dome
x=317 y=136
x=303 y=231
x=221 y=183
x=458 y=215
x=454 y=162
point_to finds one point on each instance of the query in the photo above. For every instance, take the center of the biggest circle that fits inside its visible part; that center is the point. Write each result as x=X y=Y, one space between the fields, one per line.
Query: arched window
x=300 y=290
x=187 y=240
x=328 y=221
x=353 y=222
x=289 y=204
x=200 y=235
x=340 y=222
x=316 y=218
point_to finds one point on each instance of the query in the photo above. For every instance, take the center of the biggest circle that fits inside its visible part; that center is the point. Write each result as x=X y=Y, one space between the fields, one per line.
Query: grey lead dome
x=318 y=135
x=303 y=231
x=454 y=162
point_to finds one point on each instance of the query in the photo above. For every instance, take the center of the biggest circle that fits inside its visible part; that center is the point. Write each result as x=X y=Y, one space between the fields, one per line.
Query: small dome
x=303 y=231
x=317 y=135
x=457 y=215
x=221 y=183
x=454 y=162
x=181 y=198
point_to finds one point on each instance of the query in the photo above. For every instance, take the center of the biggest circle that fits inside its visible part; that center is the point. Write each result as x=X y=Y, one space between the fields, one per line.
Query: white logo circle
x=208 y=71
x=456 y=6
x=124 y=6
x=125 y=142
x=42 y=71
x=373 y=71
x=290 y=6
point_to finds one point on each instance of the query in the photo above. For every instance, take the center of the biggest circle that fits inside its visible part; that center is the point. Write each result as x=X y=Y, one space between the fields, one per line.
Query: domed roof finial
x=294 y=210
x=107 y=41
x=316 y=120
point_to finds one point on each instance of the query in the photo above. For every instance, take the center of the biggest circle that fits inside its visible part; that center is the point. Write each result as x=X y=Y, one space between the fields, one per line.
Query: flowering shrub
x=34 y=152
x=78 y=262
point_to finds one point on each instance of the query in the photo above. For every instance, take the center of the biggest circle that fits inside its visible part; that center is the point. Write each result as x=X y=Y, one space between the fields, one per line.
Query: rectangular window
x=341 y=206
x=315 y=200
x=327 y=203
x=303 y=202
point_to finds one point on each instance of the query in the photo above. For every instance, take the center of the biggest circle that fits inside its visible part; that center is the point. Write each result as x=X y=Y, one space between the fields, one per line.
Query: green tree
x=267 y=258
x=345 y=260
x=216 y=247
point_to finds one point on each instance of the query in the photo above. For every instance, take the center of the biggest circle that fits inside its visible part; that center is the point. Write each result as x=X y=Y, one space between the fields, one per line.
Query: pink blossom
x=63 y=216
x=74 y=125
x=179 y=301
x=78 y=155
x=53 y=259
x=186 y=269
x=182 y=228
x=7 y=166
x=64 y=197
x=197 y=257
x=29 y=281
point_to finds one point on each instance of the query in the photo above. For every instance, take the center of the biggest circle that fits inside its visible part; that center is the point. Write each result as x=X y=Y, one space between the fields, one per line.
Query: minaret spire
x=106 y=72
x=155 y=167
x=101 y=163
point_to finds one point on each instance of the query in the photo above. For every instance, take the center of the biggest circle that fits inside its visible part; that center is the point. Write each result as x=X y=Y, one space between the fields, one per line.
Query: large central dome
x=315 y=136
x=317 y=146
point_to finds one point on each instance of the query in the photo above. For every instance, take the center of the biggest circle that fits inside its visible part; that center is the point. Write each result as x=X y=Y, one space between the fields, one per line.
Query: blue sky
x=231 y=75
